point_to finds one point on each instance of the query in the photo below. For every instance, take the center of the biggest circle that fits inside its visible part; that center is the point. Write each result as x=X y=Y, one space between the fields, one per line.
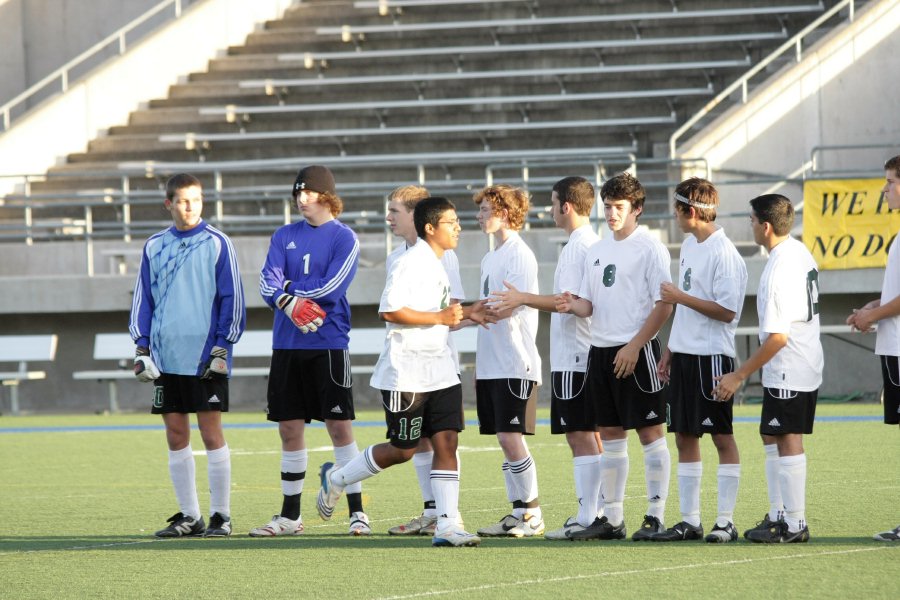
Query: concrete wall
x=844 y=91
x=65 y=123
x=39 y=36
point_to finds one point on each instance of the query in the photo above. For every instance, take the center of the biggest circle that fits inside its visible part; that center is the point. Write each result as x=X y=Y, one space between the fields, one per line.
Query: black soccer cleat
x=649 y=528
x=600 y=529
x=182 y=526
x=681 y=532
x=778 y=534
x=219 y=526
x=722 y=535
x=762 y=525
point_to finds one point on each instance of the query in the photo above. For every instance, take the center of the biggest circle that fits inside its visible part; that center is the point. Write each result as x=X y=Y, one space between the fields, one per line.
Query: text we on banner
x=847 y=224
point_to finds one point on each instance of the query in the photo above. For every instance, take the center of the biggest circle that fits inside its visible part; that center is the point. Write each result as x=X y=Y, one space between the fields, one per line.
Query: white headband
x=693 y=203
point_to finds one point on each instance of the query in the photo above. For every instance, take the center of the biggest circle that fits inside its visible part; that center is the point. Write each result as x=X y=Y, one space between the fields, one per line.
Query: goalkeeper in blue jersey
x=308 y=269
x=187 y=313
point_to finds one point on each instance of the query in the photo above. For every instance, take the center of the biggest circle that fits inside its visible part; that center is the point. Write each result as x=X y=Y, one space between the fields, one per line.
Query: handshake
x=303 y=312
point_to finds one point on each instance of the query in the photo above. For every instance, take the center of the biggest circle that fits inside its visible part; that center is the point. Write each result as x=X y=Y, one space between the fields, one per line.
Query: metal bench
x=364 y=342
x=348 y=31
x=231 y=111
x=22 y=349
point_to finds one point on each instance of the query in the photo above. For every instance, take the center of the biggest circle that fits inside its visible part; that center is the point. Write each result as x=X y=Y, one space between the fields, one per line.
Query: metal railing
x=742 y=83
x=64 y=74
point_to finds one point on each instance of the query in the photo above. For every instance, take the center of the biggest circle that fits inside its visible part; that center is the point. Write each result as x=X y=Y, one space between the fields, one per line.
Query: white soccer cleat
x=455 y=537
x=421 y=525
x=571 y=525
x=359 y=524
x=329 y=493
x=500 y=529
x=528 y=526
x=278 y=526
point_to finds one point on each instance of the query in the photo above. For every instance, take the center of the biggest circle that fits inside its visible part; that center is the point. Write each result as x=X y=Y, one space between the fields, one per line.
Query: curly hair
x=515 y=200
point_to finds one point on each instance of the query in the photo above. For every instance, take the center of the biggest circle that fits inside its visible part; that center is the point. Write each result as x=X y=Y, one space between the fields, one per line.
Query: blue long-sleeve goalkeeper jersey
x=320 y=262
x=188 y=297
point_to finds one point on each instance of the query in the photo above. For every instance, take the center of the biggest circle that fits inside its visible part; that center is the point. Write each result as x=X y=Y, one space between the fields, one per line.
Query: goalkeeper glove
x=216 y=366
x=144 y=368
x=303 y=312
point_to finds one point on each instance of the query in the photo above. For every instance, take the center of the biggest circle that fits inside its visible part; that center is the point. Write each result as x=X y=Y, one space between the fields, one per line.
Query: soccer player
x=571 y=411
x=886 y=312
x=507 y=363
x=623 y=277
x=790 y=356
x=187 y=312
x=708 y=299
x=308 y=269
x=417 y=374
x=401 y=203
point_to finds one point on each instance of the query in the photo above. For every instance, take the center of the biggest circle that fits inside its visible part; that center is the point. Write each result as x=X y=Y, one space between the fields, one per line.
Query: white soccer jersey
x=451 y=265
x=887 y=338
x=507 y=349
x=622 y=279
x=788 y=302
x=570 y=336
x=415 y=358
x=708 y=270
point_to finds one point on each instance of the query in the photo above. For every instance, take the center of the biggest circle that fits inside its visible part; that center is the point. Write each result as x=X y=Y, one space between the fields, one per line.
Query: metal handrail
x=63 y=72
x=793 y=43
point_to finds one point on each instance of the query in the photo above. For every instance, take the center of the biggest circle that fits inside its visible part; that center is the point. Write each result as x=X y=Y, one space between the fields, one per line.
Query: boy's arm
x=567 y=302
x=731 y=382
x=511 y=298
x=449 y=316
x=670 y=293
x=868 y=315
x=627 y=356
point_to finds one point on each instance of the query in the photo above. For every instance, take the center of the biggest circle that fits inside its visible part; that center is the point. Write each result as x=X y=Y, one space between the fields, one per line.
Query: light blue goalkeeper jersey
x=188 y=298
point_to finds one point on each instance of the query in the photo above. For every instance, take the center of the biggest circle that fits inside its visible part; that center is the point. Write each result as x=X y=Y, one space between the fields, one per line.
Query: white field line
x=542 y=581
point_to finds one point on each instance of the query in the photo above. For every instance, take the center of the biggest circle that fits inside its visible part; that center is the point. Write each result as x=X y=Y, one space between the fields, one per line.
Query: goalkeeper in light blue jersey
x=187 y=313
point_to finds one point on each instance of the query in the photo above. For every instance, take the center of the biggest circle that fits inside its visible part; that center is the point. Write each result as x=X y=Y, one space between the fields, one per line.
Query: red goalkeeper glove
x=303 y=312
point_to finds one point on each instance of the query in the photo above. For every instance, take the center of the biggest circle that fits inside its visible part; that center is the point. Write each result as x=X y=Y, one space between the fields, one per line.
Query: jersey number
x=686 y=284
x=609 y=275
x=415 y=429
x=812 y=294
x=306 y=264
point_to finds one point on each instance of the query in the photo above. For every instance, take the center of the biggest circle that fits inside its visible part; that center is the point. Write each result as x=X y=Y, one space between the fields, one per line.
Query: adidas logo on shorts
x=774 y=423
x=214 y=399
x=291 y=246
x=515 y=421
x=562 y=421
x=707 y=422
x=651 y=415
x=337 y=409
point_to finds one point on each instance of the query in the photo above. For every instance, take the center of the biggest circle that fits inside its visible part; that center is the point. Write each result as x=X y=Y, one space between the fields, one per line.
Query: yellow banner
x=847 y=223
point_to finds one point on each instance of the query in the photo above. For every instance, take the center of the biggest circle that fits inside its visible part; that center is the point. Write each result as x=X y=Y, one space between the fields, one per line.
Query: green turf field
x=79 y=508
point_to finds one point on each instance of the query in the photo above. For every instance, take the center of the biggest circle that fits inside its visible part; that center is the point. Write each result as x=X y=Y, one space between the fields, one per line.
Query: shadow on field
x=24 y=544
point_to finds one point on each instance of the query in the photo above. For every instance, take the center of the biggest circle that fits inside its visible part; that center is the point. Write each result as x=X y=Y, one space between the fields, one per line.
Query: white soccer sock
x=657 y=472
x=587 y=487
x=218 y=468
x=293 y=464
x=512 y=490
x=182 y=471
x=361 y=467
x=524 y=473
x=446 y=497
x=613 y=476
x=689 y=477
x=773 y=483
x=793 y=489
x=729 y=477
x=342 y=456
x=422 y=464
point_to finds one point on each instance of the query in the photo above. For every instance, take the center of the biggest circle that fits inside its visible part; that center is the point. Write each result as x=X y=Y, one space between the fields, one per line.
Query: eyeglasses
x=452 y=223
